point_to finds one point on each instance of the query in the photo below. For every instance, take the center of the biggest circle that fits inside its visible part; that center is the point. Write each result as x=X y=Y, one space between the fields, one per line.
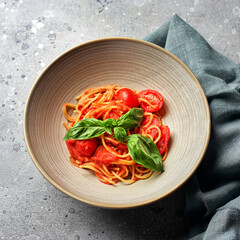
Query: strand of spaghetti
x=108 y=180
x=107 y=173
x=108 y=149
x=112 y=140
x=165 y=154
x=86 y=102
x=96 y=111
x=101 y=113
x=126 y=171
x=146 y=101
x=108 y=103
x=64 y=109
x=87 y=96
x=142 y=171
x=91 y=91
x=118 y=88
x=144 y=176
x=159 y=133
x=89 y=103
x=65 y=125
x=103 y=179
x=73 y=161
x=93 y=112
x=103 y=98
x=116 y=168
x=85 y=92
x=83 y=97
x=121 y=172
x=158 y=118
x=122 y=179
x=96 y=89
x=133 y=171
x=88 y=114
x=150 y=120
x=89 y=166
x=108 y=111
x=101 y=169
x=102 y=88
x=148 y=135
x=109 y=93
x=79 y=96
x=124 y=162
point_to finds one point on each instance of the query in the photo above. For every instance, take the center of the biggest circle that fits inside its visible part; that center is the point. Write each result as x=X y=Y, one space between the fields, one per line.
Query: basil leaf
x=143 y=151
x=120 y=134
x=131 y=119
x=85 y=129
x=109 y=124
x=108 y=130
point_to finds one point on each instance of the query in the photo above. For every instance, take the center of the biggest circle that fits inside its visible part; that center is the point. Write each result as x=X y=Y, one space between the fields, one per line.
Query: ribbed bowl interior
x=129 y=63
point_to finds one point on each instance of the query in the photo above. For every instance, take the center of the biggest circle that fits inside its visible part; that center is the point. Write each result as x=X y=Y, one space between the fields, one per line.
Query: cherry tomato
x=153 y=132
x=103 y=156
x=162 y=143
x=153 y=97
x=78 y=148
x=128 y=97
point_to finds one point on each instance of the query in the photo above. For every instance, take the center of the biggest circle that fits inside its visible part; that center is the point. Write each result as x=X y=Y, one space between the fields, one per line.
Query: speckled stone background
x=33 y=33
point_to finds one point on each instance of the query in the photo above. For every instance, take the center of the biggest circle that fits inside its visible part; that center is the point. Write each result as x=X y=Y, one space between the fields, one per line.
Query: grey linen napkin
x=213 y=192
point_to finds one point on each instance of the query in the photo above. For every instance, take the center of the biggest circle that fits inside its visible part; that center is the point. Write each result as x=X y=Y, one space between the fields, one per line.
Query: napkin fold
x=213 y=192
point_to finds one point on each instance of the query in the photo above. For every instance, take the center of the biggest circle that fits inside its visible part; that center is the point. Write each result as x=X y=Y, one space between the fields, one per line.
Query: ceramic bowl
x=130 y=63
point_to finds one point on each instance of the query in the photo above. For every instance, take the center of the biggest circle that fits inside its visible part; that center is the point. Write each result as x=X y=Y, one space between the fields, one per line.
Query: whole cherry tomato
x=128 y=97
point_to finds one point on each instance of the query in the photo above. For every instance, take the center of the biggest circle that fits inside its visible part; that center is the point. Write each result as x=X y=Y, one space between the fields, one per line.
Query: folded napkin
x=213 y=192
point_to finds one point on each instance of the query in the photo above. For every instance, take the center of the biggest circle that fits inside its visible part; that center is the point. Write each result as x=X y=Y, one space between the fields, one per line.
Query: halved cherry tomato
x=162 y=143
x=103 y=156
x=128 y=97
x=153 y=97
x=78 y=148
x=153 y=132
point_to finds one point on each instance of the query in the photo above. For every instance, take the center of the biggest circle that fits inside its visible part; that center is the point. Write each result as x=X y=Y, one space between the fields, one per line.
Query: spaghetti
x=106 y=157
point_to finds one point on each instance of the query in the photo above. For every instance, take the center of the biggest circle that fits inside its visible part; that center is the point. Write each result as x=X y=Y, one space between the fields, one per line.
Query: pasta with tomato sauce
x=103 y=127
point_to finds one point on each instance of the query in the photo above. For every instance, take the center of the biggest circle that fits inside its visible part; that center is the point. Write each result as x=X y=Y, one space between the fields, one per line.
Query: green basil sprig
x=91 y=127
x=143 y=151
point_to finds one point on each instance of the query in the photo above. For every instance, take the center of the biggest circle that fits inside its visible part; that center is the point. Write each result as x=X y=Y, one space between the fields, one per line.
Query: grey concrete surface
x=33 y=33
